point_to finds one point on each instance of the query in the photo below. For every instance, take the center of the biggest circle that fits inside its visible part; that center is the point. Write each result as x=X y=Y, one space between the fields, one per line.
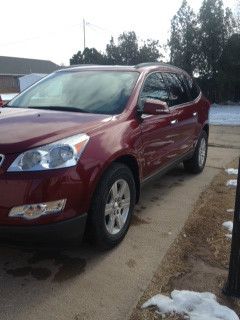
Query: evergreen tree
x=149 y=52
x=128 y=48
x=230 y=24
x=88 y=56
x=237 y=15
x=183 y=41
x=77 y=58
x=128 y=52
x=228 y=82
x=216 y=26
x=125 y=52
x=113 y=55
x=93 y=56
x=230 y=60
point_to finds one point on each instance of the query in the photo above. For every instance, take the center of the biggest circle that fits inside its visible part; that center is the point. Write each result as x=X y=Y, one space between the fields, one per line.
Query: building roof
x=21 y=66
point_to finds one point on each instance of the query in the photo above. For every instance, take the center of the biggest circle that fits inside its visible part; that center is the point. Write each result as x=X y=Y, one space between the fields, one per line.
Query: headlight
x=61 y=154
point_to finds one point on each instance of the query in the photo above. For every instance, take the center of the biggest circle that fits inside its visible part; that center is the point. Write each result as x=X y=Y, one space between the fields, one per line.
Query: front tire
x=112 y=206
x=197 y=163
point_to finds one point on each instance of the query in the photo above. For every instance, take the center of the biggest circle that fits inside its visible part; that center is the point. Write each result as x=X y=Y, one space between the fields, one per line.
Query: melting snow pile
x=229 y=226
x=232 y=171
x=232 y=183
x=195 y=305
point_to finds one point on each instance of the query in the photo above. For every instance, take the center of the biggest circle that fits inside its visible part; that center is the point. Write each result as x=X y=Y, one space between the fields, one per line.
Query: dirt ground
x=198 y=259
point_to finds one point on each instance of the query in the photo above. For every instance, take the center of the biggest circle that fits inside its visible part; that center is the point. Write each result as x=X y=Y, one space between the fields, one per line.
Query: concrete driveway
x=81 y=283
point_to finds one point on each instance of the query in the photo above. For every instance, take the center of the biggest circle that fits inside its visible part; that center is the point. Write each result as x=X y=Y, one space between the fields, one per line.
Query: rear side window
x=193 y=88
x=177 y=89
x=154 y=88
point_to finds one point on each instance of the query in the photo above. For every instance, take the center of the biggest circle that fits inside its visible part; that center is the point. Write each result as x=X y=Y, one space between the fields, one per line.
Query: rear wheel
x=112 y=206
x=197 y=163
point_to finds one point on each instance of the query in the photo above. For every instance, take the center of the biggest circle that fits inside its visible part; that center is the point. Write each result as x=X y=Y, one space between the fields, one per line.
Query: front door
x=158 y=131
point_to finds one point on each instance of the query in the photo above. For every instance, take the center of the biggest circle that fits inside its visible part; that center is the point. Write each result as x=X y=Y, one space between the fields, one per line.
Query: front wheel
x=112 y=206
x=197 y=163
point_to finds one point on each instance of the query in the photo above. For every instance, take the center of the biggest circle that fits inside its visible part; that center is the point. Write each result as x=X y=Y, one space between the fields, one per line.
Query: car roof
x=142 y=67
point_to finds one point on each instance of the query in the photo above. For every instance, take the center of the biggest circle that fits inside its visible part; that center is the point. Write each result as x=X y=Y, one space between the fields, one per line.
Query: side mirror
x=155 y=107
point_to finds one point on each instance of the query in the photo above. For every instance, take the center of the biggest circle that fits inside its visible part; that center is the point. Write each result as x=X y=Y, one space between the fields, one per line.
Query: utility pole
x=84 y=34
x=232 y=287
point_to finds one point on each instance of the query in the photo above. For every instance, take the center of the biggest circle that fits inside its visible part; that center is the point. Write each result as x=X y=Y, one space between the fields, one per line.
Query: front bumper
x=18 y=189
x=52 y=233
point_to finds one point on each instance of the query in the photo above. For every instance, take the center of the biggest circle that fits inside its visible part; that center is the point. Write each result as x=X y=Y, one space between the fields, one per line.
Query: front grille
x=1 y=159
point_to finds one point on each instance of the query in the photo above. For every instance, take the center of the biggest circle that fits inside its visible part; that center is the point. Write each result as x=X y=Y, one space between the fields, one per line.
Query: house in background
x=11 y=69
x=29 y=79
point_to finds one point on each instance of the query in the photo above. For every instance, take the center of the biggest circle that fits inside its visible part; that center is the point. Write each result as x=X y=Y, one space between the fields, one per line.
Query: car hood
x=22 y=129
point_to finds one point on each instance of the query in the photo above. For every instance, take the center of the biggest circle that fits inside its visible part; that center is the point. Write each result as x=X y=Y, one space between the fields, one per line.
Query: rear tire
x=112 y=206
x=197 y=163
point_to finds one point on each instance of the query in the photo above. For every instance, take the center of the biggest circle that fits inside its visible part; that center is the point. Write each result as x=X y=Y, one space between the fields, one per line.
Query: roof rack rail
x=149 y=64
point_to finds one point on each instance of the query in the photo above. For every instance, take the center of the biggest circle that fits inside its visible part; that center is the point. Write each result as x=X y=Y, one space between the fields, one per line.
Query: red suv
x=77 y=146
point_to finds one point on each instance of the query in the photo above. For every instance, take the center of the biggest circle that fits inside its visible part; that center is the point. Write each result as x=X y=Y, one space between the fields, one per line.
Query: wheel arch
x=131 y=162
x=206 y=129
x=127 y=159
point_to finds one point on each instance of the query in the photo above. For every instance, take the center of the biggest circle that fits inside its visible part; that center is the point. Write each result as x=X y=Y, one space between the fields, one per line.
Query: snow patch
x=228 y=225
x=232 y=171
x=232 y=183
x=224 y=115
x=228 y=236
x=8 y=96
x=195 y=305
x=230 y=211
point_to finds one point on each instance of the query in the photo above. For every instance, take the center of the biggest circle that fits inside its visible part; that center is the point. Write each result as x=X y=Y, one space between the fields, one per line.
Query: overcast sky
x=53 y=30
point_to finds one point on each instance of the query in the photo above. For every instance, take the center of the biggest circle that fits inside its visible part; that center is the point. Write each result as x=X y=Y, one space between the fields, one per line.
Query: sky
x=53 y=29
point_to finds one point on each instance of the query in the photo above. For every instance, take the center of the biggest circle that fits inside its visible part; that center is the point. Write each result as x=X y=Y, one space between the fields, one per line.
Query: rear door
x=184 y=114
x=195 y=97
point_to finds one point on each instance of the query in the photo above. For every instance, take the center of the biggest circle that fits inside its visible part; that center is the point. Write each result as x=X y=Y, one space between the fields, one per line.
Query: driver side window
x=154 y=88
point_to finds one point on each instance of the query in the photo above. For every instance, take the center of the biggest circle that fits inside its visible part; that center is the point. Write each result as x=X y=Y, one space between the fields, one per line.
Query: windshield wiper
x=59 y=108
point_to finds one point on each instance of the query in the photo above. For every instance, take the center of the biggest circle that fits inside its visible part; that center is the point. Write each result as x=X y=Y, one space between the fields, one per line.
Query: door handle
x=195 y=114
x=174 y=121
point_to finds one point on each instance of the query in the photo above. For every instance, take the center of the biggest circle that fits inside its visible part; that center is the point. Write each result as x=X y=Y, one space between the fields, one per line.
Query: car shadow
x=55 y=262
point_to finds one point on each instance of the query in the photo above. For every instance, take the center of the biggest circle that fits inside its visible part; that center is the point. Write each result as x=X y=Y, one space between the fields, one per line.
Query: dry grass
x=198 y=259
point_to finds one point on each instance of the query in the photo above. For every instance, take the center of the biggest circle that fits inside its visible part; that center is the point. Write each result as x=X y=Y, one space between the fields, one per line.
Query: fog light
x=33 y=211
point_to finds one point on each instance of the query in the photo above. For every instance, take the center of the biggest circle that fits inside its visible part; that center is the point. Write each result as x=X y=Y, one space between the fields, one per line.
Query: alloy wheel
x=202 y=152
x=117 y=206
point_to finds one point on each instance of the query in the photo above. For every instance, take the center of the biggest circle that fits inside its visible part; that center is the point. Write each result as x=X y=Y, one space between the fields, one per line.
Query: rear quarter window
x=177 y=89
x=193 y=88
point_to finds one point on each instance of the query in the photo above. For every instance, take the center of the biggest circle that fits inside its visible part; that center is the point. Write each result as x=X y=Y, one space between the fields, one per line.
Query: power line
x=84 y=34
x=45 y=34
x=50 y=34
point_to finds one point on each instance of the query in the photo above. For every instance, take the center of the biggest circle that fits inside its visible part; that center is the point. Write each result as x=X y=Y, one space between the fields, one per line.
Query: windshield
x=105 y=92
